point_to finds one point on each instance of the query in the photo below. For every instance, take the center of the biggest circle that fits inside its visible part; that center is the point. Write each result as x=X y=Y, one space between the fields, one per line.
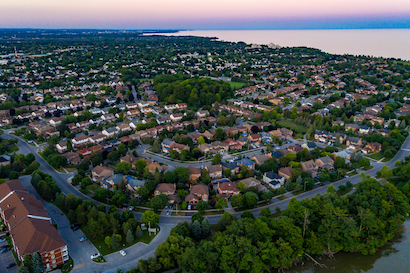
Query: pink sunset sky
x=205 y=14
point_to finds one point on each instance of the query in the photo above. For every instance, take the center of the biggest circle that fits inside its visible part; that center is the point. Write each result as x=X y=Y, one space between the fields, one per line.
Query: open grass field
x=293 y=126
x=236 y=85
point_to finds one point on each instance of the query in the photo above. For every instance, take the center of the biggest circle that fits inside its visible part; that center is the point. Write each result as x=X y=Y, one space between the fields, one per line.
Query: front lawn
x=376 y=156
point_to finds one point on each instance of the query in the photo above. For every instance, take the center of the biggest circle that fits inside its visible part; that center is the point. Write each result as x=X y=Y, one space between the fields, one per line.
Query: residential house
x=194 y=174
x=259 y=159
x=354 y=142
x=343 y=154
x=79 y=141
x=176 y=117
x=111 y=181
x=154 y=166
x=233 y=167
x=205 y=148
x=325 y=162
x=227 y=189
x=372 y=148
x=196 y=193
x=310 y=145
x=110 y=132
x=285 y=172
x=249 y=164
x=255 y=138
x=73 y=158
x=97 y=138
x=273 y=179
x=214 y=171
x=62 y=147
x=252 y=182
x=100 y=173
x=310 y=167
x=130 y=159
x=165 y=188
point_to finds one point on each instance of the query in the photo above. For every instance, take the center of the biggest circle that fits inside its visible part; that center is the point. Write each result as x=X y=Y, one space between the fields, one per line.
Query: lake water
x=394 y=257
x=388 y=43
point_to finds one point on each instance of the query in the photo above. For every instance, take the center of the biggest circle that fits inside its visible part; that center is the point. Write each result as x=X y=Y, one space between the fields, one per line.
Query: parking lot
x=5 y=259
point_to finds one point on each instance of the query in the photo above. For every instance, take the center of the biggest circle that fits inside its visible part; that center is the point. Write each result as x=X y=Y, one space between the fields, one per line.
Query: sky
x=204 y=14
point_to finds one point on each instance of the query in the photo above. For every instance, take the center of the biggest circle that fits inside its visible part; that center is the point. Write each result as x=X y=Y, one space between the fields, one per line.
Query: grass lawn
x=236 y=85
x=214 y=212
x=376 y=156
x=282 y=197
x=352 y=173
x=105 y=250
x=174 y=213
x=367 y=168
x=293 y=126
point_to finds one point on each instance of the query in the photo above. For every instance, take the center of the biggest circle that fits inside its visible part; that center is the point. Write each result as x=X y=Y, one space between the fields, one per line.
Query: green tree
x=216 y=159
x=138 y=232
x=122 y=167
x=156 y=148
x=107 y=241
x=247 y=214
x=201 y=140
x=237 y=201
x=250 y=199
x=129 y=238
x=69 y=145
x=37 y=265
x=206 y=228
x=201 y=206
x=196 y=230
x=182 y=174
x=265 y=212
x=220 y=203
x=205 y=178
x=140 y=165
x=159 y=202
x=116 y=241
x=150 y=216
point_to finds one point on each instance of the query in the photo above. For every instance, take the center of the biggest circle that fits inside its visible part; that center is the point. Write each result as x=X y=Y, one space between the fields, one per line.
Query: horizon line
x=201 y=29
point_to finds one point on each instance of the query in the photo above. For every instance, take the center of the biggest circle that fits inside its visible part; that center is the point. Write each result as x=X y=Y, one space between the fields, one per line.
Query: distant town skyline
x=202 y=15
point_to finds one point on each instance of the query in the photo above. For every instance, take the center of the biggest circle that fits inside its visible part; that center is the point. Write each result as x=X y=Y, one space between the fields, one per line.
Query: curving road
x=142 y=251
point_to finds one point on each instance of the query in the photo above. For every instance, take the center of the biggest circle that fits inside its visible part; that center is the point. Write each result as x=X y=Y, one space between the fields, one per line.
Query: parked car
x=131 y=208
x=82 y=239
x=95 y=256
x=123 y=253
x=5 y=249
x=2 y=240
x=10 y=265
x=1 y=247
x=75 y=226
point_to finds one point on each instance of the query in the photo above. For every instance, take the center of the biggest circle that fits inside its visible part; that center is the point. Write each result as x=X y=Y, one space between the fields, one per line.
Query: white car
x=123 y=253
x=95 y=256
x=82 y=239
